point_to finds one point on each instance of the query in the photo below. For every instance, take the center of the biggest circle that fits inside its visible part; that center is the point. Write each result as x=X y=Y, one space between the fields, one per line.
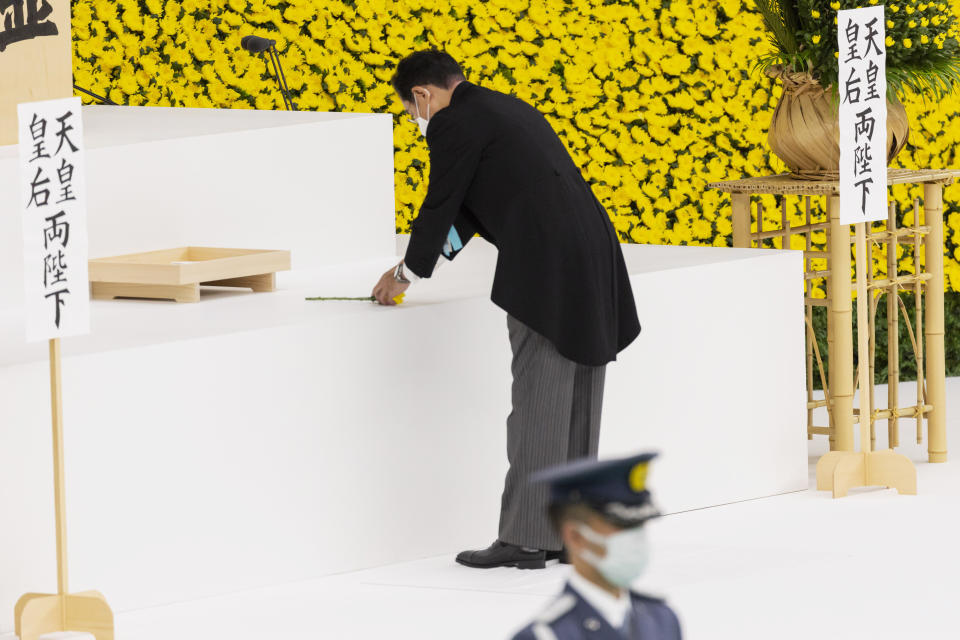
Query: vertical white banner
x=54 y=201
x=862 y=84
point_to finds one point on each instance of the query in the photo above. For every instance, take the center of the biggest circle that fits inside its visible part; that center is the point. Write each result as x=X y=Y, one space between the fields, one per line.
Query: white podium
x=255 y=439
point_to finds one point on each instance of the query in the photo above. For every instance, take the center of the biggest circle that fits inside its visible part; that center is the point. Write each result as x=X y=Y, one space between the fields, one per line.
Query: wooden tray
x=176 y=274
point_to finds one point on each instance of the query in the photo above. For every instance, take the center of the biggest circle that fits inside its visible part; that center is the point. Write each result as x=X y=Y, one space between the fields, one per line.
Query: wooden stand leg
x=39 y=614
x=88 y=611
x=831 y=347
x=262 y=282
x=893 y=334
x=849 y=470
x=825 y=468
x=936 y=369
x=809 y=337
x=111 y=290
x=740 y=205
x=889 y=469
x=44 y=615
x=918 y=320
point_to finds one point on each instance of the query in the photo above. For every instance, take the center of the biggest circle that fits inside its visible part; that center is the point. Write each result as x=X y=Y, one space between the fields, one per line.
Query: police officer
x=600 y=510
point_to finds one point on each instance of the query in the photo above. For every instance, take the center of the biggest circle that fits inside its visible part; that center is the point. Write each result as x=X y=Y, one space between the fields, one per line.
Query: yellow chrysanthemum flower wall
x=653 y=100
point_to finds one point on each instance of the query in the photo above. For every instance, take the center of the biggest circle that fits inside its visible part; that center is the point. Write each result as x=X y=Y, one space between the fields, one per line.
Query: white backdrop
x=318 y=184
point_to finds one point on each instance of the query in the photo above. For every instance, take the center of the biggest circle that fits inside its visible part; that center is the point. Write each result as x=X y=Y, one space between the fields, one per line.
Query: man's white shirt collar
x=614 y=610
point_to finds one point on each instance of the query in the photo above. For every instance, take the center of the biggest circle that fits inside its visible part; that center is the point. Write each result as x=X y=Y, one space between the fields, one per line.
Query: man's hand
x=388 y=288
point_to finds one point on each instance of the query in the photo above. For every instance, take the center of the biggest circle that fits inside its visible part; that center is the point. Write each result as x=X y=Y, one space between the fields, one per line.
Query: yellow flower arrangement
x=653 y=101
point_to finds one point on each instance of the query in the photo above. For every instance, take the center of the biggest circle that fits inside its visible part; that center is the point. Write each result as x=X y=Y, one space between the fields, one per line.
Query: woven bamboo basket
x=805 y=129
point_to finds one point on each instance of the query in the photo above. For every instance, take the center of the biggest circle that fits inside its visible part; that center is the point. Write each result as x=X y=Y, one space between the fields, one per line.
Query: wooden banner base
x=840 y=471
x=38 y=613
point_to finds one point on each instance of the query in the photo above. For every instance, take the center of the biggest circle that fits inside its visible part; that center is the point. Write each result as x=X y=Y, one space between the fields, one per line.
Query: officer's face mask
x=421 y=121
x=627 y=554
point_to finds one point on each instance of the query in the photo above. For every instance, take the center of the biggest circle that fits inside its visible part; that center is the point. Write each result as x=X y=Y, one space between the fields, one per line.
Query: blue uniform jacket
x=571 y=617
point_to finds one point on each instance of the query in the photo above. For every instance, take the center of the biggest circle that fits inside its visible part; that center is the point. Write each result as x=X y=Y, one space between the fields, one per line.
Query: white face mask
x=421 y=121
x=627 y=554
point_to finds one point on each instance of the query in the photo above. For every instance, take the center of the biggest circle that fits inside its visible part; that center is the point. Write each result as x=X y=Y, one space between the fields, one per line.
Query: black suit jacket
x=497 y=168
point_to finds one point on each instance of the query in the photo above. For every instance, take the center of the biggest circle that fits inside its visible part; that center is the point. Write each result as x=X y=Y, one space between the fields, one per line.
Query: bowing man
x=498 y=169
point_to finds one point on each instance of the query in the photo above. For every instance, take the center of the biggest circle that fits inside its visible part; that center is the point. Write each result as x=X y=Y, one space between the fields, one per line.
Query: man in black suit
x=498 y=169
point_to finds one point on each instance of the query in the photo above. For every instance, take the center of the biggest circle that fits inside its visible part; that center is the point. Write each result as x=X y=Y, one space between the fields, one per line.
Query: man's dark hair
x=425 y=67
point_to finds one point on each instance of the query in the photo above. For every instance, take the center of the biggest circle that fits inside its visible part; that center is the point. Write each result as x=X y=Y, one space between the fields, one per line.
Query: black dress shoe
x=501 y=554
x=560 y=556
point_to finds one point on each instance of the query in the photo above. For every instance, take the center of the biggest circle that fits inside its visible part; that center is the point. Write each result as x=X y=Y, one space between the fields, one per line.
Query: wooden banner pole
x=59 y=496
x=36 y=614
x=39 y=613
x=863 y=338
x=841 y=318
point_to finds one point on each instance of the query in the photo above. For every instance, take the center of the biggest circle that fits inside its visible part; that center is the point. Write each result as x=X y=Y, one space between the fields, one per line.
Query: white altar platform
x=732 y=572
x=251 y=440
x=257 y=439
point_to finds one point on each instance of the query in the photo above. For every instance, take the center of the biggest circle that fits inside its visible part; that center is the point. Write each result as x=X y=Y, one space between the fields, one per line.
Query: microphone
x=256 y=44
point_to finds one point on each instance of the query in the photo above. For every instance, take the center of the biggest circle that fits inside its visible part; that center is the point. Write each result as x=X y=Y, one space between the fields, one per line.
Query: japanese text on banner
x=861 y=35
x=54 y=219
x=25 y=20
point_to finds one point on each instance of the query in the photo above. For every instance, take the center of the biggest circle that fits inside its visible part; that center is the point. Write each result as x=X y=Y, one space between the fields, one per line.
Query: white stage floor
x=874 y=565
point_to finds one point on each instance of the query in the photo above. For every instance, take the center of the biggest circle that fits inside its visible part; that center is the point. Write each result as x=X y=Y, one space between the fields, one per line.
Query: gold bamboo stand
x=843 y=468
x=36 y=614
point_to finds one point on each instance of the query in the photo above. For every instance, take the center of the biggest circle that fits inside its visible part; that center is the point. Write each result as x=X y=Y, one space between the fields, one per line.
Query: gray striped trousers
x=555 y=419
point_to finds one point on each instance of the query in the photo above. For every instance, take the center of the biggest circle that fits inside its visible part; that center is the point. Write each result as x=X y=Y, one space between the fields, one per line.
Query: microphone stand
x=100 y=99
x=281 y=78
